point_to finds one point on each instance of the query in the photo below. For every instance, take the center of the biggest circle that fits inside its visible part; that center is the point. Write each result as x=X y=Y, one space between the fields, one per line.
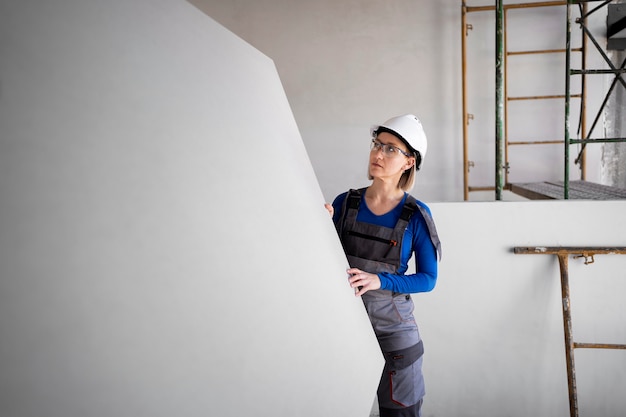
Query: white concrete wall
x=492 y=328
x=613 y=168
x=348 y=64
x=164 y=249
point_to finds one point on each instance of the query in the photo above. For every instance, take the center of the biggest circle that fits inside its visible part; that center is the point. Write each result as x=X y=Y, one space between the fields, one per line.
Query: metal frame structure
x=563 y=254
x=502 y=98
x=584 y=13
x=584 y=135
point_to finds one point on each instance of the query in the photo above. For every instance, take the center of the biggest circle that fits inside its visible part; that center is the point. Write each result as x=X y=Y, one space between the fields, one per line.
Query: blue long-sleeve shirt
x=416 y=241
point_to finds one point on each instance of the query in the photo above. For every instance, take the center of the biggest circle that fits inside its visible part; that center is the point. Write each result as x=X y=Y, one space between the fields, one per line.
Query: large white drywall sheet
x=164 y=250
x=493 y=329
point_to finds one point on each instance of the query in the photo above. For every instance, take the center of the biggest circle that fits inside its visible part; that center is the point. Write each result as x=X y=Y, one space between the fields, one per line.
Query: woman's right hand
x=330 y=209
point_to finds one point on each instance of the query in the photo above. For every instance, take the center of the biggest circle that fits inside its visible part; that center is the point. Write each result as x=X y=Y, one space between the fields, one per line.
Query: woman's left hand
x=330 y=209
x=362 y=281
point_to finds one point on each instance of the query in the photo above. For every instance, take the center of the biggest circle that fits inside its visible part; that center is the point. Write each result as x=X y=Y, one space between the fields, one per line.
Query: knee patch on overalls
x=402 y=384
x=400 y=359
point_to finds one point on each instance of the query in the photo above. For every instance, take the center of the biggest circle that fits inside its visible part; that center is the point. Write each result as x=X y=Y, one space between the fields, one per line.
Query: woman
x=380 y=227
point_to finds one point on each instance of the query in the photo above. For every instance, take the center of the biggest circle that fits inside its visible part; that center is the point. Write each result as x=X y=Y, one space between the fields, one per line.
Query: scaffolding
x=587 y=138
x=549 y=189
x=563 y=254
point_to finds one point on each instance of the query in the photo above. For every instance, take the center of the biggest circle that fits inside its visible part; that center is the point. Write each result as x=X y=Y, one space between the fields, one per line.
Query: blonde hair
x=407 y=180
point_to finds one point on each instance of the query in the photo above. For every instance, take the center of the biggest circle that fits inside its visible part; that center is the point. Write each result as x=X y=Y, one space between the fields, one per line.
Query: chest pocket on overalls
x=371 y=248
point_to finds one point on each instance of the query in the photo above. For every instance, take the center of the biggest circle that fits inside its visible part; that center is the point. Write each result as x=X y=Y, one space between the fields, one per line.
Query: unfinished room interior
x=165 y=161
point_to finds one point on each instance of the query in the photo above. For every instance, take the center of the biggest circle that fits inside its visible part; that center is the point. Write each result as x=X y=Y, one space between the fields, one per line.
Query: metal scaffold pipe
x=568 y=47
x=500 y=169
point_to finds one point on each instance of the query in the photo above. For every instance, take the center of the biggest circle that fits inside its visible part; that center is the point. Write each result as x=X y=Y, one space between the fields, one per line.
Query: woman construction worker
x=380 y=228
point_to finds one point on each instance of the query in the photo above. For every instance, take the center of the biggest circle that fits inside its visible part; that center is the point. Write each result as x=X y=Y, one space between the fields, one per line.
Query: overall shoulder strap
x=409 y=208
x=410 y=205
x=353 y=199
x=432 y=230
x=349 y=209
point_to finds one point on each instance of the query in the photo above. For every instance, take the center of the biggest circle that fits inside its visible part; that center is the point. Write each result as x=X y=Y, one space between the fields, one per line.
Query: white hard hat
x=408 y=128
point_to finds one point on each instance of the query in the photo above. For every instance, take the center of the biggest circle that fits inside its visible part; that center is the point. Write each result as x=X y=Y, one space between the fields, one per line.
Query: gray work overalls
x=376 y=249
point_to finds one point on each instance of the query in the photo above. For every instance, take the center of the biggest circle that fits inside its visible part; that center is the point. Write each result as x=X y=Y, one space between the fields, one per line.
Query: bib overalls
x=376 y=249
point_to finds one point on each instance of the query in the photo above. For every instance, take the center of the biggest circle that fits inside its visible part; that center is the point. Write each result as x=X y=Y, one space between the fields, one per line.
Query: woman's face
x=384 y=165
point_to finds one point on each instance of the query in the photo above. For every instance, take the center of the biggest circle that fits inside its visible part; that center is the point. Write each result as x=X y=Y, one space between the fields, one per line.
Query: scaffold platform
x=578 y=190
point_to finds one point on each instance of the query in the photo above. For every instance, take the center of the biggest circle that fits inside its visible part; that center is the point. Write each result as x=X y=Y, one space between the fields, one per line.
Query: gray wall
x=349 y=64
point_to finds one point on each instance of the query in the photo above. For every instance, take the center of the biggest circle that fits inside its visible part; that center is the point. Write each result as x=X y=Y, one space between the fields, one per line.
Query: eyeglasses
x=389 y=151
